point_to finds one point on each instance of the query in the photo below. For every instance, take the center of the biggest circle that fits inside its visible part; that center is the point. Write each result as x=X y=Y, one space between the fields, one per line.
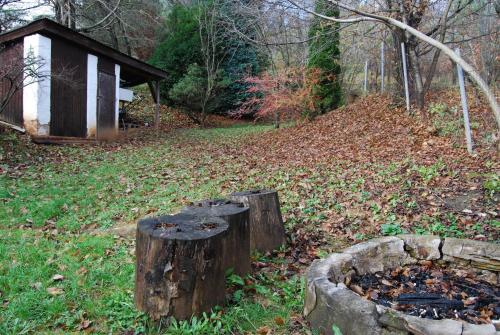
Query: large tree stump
x=266 y=223
x=236 y=250
x=179 y=271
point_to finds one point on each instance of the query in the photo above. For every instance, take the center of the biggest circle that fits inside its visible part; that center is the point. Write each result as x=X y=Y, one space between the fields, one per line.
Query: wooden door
x=106 y=117
x=68 y=91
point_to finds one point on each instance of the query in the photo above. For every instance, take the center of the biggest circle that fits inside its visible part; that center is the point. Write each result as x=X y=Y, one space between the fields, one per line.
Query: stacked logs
x=182 y=259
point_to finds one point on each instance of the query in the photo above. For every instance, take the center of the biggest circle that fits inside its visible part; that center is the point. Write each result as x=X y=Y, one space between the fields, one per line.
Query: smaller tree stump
x=267 y=231
x=179 y=271
x=236 y=250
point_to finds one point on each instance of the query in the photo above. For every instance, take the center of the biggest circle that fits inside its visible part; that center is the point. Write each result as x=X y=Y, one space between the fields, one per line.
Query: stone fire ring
x=329 y=302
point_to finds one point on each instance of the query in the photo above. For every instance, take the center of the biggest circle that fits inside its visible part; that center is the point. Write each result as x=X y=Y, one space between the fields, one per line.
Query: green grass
x=56 y=202
x=49 y=215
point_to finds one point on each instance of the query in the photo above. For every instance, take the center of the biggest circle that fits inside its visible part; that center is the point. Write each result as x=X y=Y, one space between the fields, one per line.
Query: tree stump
x=266 y=223
x=236 y=250
x=179 y=271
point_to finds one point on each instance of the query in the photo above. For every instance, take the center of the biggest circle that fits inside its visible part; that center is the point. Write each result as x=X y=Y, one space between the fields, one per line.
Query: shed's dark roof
x=134 y=71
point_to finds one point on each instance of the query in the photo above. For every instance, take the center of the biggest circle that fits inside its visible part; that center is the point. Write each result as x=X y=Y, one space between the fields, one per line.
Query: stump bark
x=179 y=271
x=236 y=245
x=267 y=231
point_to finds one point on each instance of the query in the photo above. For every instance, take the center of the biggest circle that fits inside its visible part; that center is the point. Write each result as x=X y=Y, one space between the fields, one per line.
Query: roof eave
x=52 y=28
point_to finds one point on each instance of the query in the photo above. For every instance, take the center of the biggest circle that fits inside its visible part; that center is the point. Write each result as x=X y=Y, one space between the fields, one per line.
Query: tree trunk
x=236 y=249
x=418 y=85
x=397 y=39
x=267 y=231
x=179 y=271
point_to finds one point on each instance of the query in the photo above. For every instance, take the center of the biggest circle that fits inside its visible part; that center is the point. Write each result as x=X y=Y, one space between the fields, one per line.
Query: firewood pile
x=182 y=259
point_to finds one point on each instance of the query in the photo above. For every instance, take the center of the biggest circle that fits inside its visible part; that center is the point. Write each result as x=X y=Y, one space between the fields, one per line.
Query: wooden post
x=179 y=271
x=157 y=107
x=366 y=77
x=236 y=249
x=267 y=231
x=405 y=77
x=382 y=63
x=465 y=107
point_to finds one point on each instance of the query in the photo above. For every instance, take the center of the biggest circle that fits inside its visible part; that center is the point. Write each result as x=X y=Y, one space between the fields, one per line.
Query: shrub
x=285 y=92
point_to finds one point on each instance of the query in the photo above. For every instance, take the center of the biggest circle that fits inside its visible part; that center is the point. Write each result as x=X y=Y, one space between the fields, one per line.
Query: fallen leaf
x=386 y=282
x=357 y=289
x=58 y=277
x=264 y=330
x=81 y=271
x=279 y=321
x=55 y=291
x=84 y=324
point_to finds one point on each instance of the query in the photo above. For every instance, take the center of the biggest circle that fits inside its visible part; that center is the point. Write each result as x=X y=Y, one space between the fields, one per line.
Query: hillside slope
x=392 y=171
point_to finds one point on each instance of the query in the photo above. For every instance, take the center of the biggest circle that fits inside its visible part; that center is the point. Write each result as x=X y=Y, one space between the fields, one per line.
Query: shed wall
x=11 y=56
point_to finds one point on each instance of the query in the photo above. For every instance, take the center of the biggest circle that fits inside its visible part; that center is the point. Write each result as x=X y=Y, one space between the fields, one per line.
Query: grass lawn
x=54 y=216
x=49 y=216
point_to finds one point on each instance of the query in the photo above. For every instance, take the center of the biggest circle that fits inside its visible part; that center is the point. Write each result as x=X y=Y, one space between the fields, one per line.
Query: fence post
x=382 y=61
x=405 y=75
x=366 y=76
x=465 y=108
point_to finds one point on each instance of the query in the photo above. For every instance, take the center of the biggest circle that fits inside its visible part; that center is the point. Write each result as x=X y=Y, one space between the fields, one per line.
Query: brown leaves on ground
x=364 y=165
x=366 y=131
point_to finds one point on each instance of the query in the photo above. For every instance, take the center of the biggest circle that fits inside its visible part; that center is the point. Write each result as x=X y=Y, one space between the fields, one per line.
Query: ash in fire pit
x=432 y=292
x=407 y=285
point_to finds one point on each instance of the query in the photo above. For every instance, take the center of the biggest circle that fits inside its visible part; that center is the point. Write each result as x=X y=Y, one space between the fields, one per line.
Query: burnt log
x=236 y=245
x=267 y=231
x=431 y=299
x=179 y=271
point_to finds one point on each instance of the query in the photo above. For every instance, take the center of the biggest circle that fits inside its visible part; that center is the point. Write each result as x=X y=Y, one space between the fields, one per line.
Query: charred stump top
x=215 y=207
x=182 y=227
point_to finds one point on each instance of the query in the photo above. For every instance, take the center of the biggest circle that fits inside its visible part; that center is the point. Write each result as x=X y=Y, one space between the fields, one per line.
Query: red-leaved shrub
x=286 y=93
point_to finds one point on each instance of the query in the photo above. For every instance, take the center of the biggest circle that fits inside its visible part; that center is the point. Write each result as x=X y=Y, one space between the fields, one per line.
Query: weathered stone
x=339 y=267
x=329 y=302
x=378 y=255
x=432 y=327
x=422 y=247
x=345 y=309
x=482 y=255
x=401 y=322
x=470 y=329
x=391 y=318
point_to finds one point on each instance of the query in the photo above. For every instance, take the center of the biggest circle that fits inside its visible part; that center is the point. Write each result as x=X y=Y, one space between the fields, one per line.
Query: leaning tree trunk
x=179 y=272
x=236 y=249
x=266 y=224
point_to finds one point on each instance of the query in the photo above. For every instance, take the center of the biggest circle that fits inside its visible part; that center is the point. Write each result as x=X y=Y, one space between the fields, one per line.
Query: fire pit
x=408 y=284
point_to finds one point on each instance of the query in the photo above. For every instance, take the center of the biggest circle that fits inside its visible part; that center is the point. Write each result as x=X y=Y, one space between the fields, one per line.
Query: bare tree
x=18 y=72
x=361 y=15
x=13 y=12
x=212 y=36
